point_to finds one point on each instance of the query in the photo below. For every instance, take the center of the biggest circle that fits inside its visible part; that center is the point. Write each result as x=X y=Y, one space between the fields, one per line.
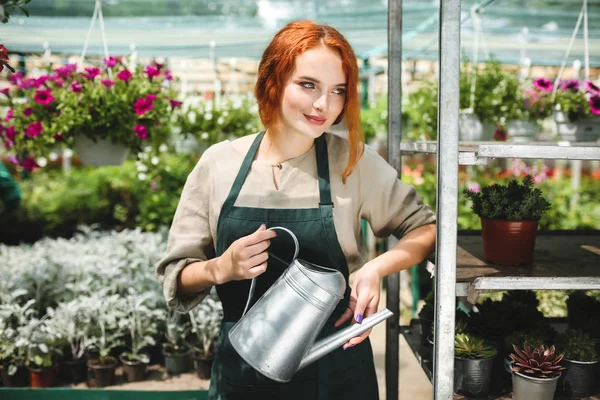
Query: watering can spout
x=330 y=343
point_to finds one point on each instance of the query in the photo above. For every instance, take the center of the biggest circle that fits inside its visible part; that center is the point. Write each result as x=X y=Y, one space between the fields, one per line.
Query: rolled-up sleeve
x=190 y=238
x=390 y=206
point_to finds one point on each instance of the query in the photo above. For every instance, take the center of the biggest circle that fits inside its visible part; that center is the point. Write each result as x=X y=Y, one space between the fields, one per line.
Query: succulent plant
x=532 y=338
x=469 y=346
x=538 y=362
x=577 y=346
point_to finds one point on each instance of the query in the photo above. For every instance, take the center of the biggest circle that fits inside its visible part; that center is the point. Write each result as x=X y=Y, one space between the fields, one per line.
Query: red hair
x=278 y=62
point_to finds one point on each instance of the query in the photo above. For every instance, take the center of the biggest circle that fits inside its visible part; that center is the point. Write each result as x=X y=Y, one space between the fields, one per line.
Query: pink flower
x=110 y=62
x=124 y=75
x=151 y=71
x=141 y=131
x=76 y=87
x=569 y=84
x=4 y=92
x=43 y=97
x=142 y=106
x=500 y=133
x=591 y=88
x=543 y=84
x=16 y=78
x=66 y=70
x=34 y=129
x=91 y=73
x=107 y=82
x=9 y=115
x=29 y=164
x=595 y=104
x=13 y=159
x=175 y=103
x=59 y=137
x=158 y=65
x=168 y=75
x=28 y=111
x=473 y=187
x=29 y=84
x=151 y=97
x=41 y=80
x=10 y=133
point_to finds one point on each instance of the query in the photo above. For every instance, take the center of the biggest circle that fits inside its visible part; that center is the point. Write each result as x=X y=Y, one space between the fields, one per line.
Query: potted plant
x=531 y=337
x=509 y=219
x=577 y=111
x=141 y=327
x=581 y=362
x=426 y=316
x=472 y=365
x=177 y=353
x=206 y=325
x=42 y=352
x=103 y=112
x=13 y=341
x=535 y=372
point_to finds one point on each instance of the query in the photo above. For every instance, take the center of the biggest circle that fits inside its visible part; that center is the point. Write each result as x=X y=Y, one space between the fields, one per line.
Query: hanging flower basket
x=471 y=128
x=584 y=130
x=521 y=130
x=99 y=152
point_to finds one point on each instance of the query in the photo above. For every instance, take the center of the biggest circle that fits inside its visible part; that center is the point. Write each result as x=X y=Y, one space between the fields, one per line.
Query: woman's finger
x=345 y=317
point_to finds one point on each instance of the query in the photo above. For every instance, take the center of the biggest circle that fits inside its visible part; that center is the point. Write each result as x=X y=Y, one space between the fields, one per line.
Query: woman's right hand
x=246 y=257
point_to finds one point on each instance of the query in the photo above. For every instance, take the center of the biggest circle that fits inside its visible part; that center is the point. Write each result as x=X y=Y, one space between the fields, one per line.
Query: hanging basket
x=586 y=130
x=471 y=129
x=100 y=152
x=521 y=130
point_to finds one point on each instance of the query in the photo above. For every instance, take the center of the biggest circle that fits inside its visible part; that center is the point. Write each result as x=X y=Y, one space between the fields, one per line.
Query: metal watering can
x=277 y=335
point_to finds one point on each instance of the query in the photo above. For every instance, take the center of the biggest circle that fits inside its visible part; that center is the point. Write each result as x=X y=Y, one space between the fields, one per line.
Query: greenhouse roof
x=243 y=28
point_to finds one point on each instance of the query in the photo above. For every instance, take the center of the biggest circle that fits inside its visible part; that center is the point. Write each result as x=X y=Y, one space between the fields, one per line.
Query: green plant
x=206 y=324
x=532 y=338
x=584 y=313
x=538 y=362
x=469 y=346
x=177 y=329
x=421 y=109
x=576 y=100
x=577 y=345
x=513 y=202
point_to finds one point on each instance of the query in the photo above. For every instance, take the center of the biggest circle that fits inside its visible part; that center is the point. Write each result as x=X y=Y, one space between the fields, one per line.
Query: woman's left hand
x=364 y=300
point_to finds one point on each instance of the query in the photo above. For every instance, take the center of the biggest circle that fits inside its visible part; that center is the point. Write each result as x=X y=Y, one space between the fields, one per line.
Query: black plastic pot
x=203 y=366
x=18 y=379
x=104 y=374
x=472 y=376
x=134 y=370
x=177 y=363
x=74 y=371
x=579 y=379
x=426 y=330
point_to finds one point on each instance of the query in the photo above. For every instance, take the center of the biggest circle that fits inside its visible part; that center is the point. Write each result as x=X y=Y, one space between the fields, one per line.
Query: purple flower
x=9 y=115
x=41 y=80
x=124 y=75
x=10 y=133
x=59 y=137
x=76 y=87
x=500 y=133
x=13 y=159
x=29 y=84
x=168 y=75
x=4 y=92
x=91 y=73
x=175 y=103
x=34 y=129
x=16 y=78
x=43 y=97
x=569 y=84
x=151 y=97
x=591 y=88
x=543 y=84
x=110 y=62
x=28 y=111
x=141 y=131
x=66 y=70
x=107 y=82
x=29 y=164
x=151 y=71
x=142 y=106
x=595 y=104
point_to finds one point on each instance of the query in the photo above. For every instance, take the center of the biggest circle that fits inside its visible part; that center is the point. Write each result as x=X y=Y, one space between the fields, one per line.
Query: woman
x=318 y=185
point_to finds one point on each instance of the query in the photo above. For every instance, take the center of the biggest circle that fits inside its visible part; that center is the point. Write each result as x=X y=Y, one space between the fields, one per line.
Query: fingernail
x=359 y=318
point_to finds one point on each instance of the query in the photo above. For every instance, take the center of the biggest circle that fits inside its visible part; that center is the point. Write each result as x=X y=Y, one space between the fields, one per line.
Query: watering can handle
x=253 y=283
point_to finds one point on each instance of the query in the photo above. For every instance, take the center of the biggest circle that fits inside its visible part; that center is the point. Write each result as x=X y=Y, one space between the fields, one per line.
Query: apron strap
x=322 y=379
x=323 y=171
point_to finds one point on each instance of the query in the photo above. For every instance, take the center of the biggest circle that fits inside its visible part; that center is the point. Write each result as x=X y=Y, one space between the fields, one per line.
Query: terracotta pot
x=42 y=378
x=509 y=243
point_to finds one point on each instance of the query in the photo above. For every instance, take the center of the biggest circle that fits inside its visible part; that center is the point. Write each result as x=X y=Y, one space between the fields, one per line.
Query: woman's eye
x=340 y=91
x=307 y=85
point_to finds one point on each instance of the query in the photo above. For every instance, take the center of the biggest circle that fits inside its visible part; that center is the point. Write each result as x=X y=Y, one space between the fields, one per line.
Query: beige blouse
x=373 y=192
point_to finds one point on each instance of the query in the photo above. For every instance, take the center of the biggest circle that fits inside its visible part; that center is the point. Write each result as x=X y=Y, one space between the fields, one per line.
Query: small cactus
x=537 y=363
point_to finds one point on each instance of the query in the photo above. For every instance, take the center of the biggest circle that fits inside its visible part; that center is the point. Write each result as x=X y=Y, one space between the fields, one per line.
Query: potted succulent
x=509 y=220
x=472 y=365
x=206 y=325
x=177 y=353
x=531 y=337
x=581 y=362
x=577 y=111
x=535 y=372
x=141 y=327
x=103 y=112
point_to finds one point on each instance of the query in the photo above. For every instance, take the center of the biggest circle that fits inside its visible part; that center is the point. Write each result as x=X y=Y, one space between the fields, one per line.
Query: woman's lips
x=315 y=120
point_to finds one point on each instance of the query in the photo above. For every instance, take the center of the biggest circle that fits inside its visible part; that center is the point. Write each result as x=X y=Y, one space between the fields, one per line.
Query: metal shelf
x=561 y=262
x=478 y=153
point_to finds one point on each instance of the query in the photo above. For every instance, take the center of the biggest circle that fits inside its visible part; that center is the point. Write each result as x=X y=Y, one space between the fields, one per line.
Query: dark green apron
x=348 y=374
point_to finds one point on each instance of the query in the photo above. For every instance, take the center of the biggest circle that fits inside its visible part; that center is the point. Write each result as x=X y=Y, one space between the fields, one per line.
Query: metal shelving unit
x=562 y=262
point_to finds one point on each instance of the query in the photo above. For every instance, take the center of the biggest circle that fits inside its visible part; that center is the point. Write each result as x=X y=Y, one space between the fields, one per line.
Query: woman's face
x=315 y=93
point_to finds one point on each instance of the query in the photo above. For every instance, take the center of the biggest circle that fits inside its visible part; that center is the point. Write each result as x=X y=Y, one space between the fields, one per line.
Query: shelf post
x=447 y=198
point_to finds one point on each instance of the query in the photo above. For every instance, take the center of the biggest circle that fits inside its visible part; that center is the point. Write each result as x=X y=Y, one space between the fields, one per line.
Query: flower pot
x=18 y=379
x=473 y=130
x=528 y=388
x=176 y=364
x=521 y=130
x=101 y=152
x=472 y=376
x=203 y=366
x=42 y=378
x=508 y=243
x=74 y=371
x=585 y=130
x=425 y=327
x=579 y=379
x=104 y=374
x=134 y=370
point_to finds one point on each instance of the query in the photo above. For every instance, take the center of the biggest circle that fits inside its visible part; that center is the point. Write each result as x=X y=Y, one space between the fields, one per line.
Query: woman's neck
x=283 y=146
